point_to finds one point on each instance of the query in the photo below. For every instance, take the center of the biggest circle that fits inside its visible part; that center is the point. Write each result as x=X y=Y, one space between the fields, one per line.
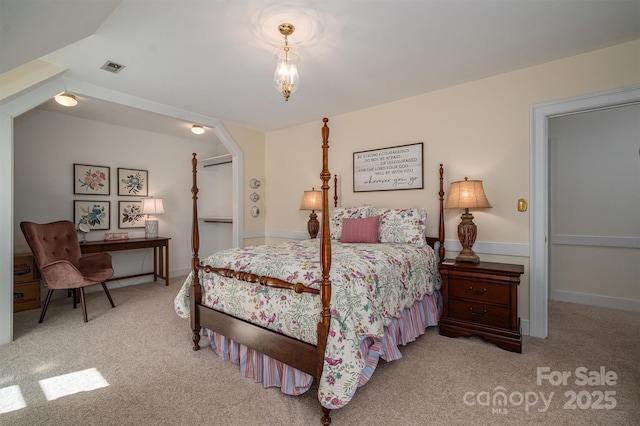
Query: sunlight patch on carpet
x=44 y=367
x=69 y=384
x=11 y=399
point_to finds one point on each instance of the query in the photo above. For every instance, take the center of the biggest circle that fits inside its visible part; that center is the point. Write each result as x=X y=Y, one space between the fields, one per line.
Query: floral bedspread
x=371 y=284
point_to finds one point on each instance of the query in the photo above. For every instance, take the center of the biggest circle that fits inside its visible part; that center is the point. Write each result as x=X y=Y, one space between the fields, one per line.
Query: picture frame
x=95 y=213
x=133 y=182
x=91 y=179
x=389 y=169
x=130 y=215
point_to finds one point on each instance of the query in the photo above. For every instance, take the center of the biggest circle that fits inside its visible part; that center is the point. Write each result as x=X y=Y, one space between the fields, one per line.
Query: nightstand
x=482 y=299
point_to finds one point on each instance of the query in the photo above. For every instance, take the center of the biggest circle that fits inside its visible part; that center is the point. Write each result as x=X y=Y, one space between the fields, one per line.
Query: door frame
x=539 y=191
x=33 y=96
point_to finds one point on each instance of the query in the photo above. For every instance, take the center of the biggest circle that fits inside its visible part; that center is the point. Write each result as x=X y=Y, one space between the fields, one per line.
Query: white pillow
x=404 y=226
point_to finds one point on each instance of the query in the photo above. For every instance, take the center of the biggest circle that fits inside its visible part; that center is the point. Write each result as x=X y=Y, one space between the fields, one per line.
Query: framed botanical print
x=91 y=180
x=133 y=182
x=96 y=214
x=130 y=214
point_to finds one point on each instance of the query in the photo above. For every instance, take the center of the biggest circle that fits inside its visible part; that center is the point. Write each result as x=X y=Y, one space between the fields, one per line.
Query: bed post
x=195 y=292
x=325 y=261
x=441 y=223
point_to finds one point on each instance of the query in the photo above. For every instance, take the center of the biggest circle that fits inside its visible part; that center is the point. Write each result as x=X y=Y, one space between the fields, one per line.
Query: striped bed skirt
x=404 y=329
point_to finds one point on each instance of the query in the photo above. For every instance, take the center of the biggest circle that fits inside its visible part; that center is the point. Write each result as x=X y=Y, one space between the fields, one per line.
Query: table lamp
x=151 y=206
x=84 y=229
x=467 y=194
x=312 y=200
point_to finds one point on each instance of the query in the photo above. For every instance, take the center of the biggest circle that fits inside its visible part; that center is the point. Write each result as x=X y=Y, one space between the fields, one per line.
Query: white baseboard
x=524 y=327
x=180 y=272
x=596 y=300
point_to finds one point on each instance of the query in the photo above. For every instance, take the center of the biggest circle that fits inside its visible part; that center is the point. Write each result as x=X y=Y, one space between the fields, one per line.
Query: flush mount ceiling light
x=286 y=77
x=66 y=99
x=198 y=130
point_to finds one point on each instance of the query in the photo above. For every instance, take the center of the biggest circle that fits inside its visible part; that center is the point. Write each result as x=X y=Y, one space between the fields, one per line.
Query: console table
x=159 y=245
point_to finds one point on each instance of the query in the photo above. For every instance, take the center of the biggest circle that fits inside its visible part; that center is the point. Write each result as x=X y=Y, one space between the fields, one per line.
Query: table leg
x=166 y=274
x=155 y=264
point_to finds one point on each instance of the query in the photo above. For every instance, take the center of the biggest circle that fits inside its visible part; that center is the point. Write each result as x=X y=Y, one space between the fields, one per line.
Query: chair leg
x=46 y=305
x=84 y=304
x=106 y=290
x=75 y=297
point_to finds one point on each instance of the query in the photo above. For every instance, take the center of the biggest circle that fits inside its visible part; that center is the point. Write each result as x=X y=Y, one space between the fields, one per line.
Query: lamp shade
x=467 y=194
x=311 y=200
x=286 y=77
x=152 y=206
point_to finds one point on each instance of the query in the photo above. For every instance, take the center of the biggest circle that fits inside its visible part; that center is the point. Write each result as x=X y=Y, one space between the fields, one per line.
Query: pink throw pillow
x=363 y=230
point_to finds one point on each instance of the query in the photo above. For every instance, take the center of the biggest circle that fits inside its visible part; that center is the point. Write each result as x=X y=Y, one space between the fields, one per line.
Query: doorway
x=30 y=98
x=594 y=207
x=539 y=193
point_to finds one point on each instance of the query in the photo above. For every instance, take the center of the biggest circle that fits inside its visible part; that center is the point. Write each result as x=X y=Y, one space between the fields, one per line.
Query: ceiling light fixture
x=66 y=99
x=198 y=130
x=286 y=77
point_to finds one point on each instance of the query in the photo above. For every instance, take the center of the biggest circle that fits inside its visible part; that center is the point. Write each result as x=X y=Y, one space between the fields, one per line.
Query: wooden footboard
x=300 y=355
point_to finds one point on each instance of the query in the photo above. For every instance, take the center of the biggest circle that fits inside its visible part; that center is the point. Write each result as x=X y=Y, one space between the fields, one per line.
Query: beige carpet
x=142 y=350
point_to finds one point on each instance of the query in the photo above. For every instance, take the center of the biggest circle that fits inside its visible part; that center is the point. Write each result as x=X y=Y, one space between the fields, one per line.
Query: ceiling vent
x=112 y=67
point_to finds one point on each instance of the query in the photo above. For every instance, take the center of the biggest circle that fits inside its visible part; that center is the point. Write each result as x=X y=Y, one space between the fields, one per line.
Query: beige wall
x=54 y=142
x=251 y=143
x=479 y=129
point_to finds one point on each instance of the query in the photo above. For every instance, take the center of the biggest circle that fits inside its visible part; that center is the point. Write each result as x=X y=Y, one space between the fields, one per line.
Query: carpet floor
x=133 y=365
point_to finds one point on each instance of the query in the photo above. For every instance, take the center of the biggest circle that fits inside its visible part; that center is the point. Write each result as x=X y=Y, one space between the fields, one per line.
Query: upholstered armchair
x=56 y=250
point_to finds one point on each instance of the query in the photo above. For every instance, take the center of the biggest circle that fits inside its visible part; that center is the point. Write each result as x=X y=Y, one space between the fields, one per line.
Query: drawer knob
x=476 y=292
x=478 y=314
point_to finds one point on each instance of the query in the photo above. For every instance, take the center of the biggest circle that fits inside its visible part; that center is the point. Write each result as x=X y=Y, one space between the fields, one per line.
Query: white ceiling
x=214 y=58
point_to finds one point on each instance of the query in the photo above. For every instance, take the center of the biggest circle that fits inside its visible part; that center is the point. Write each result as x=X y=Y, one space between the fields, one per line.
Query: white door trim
x=539 y=226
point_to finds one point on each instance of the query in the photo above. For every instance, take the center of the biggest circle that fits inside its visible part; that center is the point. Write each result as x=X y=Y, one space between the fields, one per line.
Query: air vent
x=112 y=67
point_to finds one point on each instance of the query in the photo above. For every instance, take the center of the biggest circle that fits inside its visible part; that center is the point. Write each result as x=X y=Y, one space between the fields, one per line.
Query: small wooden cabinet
x=482 y=299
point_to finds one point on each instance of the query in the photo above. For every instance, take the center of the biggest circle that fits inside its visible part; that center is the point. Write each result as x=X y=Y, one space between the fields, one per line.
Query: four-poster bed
x=272 y=321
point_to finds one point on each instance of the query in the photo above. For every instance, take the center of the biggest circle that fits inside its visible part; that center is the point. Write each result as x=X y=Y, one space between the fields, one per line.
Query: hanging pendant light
x=286 y=77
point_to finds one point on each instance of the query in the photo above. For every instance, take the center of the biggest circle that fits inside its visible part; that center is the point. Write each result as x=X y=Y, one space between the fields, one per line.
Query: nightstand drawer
x=497 y=316
x=482 y=291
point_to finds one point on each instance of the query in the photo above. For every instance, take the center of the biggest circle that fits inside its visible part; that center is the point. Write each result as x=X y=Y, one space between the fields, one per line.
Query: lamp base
x=467 y=232
x=467 y=256
x=151 y=228
x=313 y=226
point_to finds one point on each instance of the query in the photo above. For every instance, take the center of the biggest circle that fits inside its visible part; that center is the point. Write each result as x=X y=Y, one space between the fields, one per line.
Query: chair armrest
x=95 y=262
x=61 y=274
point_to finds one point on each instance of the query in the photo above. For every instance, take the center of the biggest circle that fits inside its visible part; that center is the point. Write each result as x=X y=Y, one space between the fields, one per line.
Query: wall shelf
x=217 y=160
x=216 y=219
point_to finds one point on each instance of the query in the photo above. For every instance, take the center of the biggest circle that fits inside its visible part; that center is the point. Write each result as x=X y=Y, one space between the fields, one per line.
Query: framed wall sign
x=133 y=182
x=96 y=214
x=389 y=169
x=130 y=214
x=91 y=180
